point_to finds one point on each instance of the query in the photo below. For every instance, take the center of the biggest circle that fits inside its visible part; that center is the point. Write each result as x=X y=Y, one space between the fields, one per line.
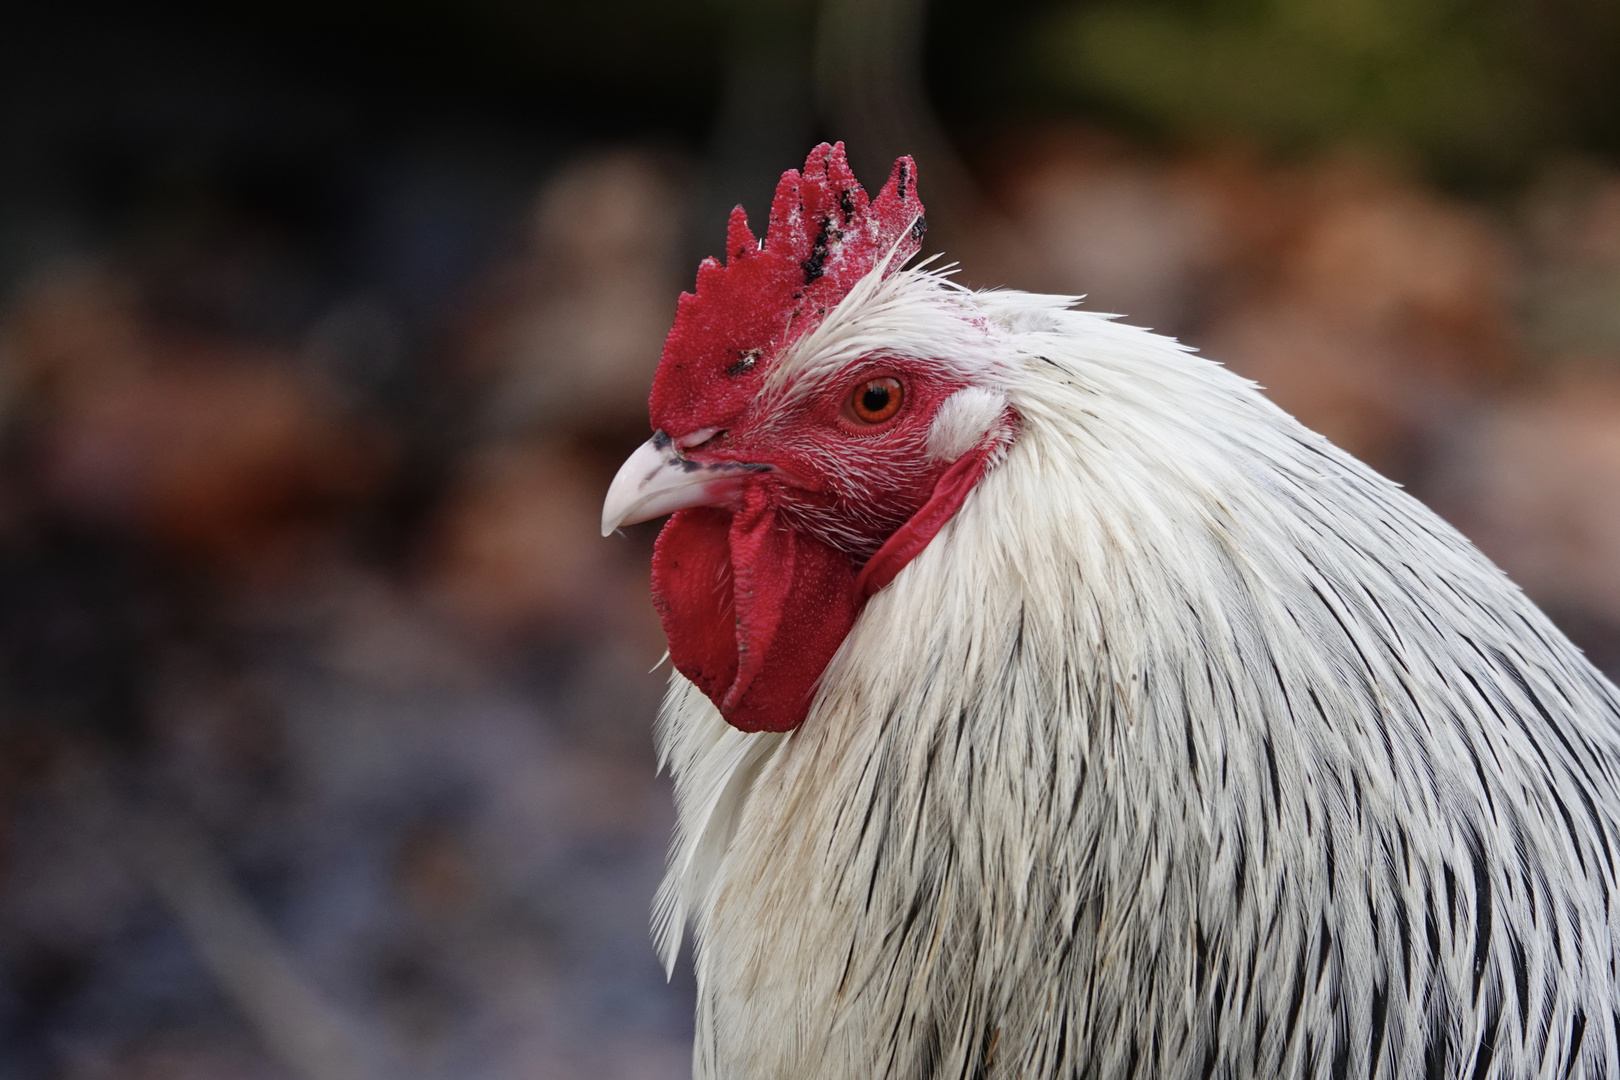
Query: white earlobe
x=963 y=420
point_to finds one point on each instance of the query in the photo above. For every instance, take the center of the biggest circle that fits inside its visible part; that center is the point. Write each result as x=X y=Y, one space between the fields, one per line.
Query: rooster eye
x=875 y=400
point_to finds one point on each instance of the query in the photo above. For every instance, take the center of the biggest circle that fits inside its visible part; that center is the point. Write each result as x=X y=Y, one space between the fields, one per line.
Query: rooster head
x=814 y=427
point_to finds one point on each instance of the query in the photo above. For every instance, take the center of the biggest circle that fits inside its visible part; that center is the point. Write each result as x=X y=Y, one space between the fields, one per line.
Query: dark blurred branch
x=870 y=90
x=868 y=72
x=304 y=1032
x=766 y=120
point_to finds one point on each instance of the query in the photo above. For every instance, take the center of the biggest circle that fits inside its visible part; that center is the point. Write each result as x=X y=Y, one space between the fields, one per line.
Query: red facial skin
x=845 y=482
x=757 y=596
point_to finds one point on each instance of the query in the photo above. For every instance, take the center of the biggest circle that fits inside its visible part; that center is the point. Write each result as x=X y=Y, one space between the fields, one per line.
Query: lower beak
x=656 y=480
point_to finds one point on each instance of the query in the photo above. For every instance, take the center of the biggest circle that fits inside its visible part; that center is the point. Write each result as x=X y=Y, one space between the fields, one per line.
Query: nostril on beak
x=656 y=480
x=697 y=438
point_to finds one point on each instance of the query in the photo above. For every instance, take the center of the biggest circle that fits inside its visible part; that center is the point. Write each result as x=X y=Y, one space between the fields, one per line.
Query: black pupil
x=875 y=398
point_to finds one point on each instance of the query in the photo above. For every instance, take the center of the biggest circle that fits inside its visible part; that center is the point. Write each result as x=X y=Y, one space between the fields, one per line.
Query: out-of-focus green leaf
x=1438 y=76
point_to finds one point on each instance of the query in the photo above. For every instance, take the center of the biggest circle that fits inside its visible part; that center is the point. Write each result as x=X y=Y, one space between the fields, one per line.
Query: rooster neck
x=1188 y=741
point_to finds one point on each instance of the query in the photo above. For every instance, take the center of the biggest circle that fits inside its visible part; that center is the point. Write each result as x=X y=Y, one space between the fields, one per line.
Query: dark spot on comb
x=815 y=265
x=919 y=227
x=846 y=203
x=905 y=179
x=746 y=361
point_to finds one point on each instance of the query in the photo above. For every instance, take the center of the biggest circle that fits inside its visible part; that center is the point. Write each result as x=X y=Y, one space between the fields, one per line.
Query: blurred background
x=325 y=715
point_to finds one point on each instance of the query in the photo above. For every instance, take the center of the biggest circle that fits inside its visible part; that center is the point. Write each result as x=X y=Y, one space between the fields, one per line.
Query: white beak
x=657 y=480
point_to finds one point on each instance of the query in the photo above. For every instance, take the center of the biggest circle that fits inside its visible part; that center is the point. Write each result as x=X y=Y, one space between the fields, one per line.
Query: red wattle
x=755 y=609
x=692 y=590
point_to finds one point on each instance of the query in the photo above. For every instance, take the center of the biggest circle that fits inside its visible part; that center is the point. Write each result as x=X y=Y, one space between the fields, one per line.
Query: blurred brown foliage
x=214 y=448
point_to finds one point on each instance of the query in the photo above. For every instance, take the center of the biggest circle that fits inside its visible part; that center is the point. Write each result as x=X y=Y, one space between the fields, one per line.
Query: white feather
x=963 y=420
x=1190 y=746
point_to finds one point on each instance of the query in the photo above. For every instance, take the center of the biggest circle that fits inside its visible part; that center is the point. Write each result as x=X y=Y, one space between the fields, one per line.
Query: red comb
x=824 y=236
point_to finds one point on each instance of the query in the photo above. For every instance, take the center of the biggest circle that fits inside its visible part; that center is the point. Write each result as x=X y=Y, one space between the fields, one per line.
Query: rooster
x=1048 y=704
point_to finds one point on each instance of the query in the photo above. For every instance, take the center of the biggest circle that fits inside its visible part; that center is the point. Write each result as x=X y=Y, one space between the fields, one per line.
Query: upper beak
x=657 y=480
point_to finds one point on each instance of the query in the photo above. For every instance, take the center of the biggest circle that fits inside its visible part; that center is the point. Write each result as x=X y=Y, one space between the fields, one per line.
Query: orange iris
x=875 y=400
